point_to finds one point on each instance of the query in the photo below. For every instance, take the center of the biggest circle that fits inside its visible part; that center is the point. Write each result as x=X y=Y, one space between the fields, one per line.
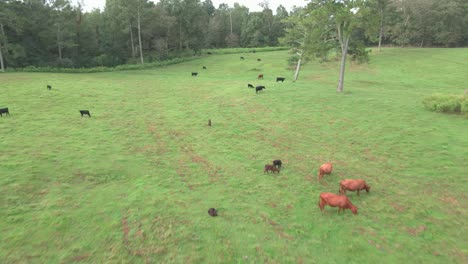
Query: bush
x=123 y=67
x=242 y=50
x=447 y=103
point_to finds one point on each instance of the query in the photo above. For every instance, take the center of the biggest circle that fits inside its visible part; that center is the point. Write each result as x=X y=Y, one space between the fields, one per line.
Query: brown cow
x=325 y=169
x=353 y=185
x=272 y=168
x=335 y=200
x=260 y=76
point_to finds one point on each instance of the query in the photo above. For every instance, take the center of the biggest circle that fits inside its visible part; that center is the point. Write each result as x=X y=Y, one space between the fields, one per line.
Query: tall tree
x=381 y=6
x=335 y=22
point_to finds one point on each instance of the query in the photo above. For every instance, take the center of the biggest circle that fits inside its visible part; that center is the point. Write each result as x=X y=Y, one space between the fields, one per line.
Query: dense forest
x=59 y=34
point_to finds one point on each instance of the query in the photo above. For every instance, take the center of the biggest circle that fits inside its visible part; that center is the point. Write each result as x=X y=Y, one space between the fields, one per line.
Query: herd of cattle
x=258 y=88
x=334 y=200
x=49 y=87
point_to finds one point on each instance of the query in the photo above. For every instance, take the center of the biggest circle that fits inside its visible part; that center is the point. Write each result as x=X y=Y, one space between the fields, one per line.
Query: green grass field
x=133 y=183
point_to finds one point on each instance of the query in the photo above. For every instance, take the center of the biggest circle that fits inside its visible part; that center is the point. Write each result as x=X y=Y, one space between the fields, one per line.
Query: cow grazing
x=4 y=111
x=49 y=87
x=204 y=67
x=259 y=59
x=260 y=76
x=277 y=163
x=280 y=79
x=325 y=169
x=242 y=58
x=272 y=168
x=85 y=112
x=194 y=74
x=335 y=200
x=353 y=185
x=213 y=212
x=250 y=86
x=259 y=88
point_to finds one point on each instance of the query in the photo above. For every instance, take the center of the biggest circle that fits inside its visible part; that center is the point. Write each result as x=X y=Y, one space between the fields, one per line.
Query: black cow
x=277 y=163
x=213 y=212
x=259 y=88
x=250 y=86
x=259 y=59
x=49 y=87
x=204 y=67
x=4 y=111
x=85 y=112
x=194 y=74
x=209 y=53
x=280 y=79
x=242 y=58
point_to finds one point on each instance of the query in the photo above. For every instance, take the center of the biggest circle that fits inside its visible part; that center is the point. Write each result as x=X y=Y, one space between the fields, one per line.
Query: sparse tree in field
x=381 y=6
x=327 y=24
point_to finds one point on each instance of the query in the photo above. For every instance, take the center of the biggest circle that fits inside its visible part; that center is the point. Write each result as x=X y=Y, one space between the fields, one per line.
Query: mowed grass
x=133 y=183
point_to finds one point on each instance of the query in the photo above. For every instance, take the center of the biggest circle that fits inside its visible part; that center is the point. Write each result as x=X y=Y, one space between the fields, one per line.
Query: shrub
x=447 y=103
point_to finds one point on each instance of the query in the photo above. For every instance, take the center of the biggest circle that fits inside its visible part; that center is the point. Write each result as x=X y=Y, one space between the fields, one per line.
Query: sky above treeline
x=251 y=4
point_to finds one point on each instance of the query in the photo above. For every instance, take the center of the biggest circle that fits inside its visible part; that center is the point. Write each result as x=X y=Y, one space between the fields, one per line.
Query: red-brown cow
x=272 y=168
x=260 y=76
x=353 y=185
x=325 y=169
x=335 y=200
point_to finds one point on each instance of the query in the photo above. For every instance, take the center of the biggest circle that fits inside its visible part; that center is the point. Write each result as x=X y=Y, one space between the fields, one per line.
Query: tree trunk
x=131 y=41
x=59 y=45
x=230 y=19
x=2 y=65
x=180 y=36
x=344 y=52
x=381 y=28
x=298 y=67
x=139 y=34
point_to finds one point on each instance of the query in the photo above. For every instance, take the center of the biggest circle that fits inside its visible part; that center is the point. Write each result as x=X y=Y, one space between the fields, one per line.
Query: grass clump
x=444 y=103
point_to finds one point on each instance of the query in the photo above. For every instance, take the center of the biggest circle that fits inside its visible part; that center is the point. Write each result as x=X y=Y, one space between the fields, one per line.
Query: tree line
x=57 y=33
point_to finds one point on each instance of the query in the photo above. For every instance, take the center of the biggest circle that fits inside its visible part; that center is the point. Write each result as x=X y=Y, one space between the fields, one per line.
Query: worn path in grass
x=134 y=182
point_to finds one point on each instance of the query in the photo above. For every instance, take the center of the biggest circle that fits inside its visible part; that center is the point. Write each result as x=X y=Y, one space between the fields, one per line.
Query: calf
x=49 y=87
x=4 y=111
x=272 y=168
x=259 y=59
x=259 y=88
x=213 y=212
x=204 y=67
x=353 y=185
x=242 y=58
x=85 y=112
x=277 y=163
x=325 y=169
x=250 y=85
x=194 y=74
x=280 y=79
x=260 y=76
x=334 y=200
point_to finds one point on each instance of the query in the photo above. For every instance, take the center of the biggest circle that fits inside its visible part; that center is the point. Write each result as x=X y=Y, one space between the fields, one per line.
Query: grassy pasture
x=133 y=183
